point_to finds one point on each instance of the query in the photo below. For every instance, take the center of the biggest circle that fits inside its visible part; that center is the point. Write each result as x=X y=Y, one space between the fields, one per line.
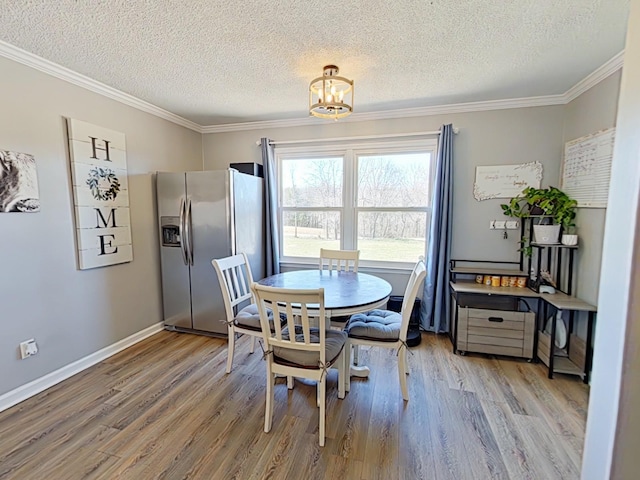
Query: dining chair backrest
x=299 y=307
x=411 y=291
x=234 y=275
x=344 y=260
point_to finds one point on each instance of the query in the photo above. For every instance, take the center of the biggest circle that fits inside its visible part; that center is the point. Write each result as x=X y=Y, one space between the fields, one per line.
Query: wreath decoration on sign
x=103 y=183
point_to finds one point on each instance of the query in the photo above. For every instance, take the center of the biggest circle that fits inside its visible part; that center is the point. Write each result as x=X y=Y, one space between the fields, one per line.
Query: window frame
x=349 y=210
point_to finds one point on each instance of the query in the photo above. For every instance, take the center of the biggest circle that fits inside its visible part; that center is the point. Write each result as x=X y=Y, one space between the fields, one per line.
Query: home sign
x=100 y=194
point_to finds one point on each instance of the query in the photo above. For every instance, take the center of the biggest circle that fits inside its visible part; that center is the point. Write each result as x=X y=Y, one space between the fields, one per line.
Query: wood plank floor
x=165 y=409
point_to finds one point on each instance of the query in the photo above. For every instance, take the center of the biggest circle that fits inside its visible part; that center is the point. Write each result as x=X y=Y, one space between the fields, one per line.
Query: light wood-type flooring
x=164 y=409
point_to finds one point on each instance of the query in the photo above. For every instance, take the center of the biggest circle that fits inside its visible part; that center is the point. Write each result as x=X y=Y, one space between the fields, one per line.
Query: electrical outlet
x=512 y=224
x=500 y=224
x=28 y=348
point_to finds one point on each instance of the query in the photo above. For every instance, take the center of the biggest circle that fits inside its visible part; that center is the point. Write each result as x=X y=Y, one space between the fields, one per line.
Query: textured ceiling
x=217 y=62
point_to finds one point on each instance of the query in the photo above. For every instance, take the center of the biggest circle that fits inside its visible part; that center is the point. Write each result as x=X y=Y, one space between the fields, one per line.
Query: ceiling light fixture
x=331 y=96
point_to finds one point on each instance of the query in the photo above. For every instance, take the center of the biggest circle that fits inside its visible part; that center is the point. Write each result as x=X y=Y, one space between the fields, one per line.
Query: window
x=374 y=198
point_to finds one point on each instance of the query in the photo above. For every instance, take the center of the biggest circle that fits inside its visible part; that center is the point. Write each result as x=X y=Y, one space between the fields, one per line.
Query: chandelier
x=331 y=96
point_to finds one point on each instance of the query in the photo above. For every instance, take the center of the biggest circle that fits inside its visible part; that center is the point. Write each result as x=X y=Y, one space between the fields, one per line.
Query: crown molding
x=29 y=59
x=399 y=113
x=579 y=88
x=34 y=61
x=595 y=77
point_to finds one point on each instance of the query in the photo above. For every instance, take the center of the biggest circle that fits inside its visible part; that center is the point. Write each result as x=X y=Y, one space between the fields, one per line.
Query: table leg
x=355 y=370
x=360 y=371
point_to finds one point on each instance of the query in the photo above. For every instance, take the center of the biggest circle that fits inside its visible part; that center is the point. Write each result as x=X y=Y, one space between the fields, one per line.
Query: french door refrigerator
x=202 y=216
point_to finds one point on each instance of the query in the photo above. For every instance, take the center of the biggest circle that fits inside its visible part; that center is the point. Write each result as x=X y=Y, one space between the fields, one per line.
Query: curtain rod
x=361 y=137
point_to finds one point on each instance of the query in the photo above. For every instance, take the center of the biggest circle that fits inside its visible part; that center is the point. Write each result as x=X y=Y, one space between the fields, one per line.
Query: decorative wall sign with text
x=506 y=181
x=100 y=194
x=18 y=182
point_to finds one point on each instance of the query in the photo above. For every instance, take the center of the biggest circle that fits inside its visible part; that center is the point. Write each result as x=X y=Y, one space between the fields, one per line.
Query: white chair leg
x=230 y=348
x=253 y=344
x=323 y=406
x=342 y=369
x=268 y=411
x=347 y=364
x=402 y=372
x=355 y=354
x=290 y=382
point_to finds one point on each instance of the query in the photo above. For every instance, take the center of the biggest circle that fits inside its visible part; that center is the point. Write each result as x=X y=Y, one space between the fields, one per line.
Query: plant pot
x=569 y=239
x=535 y=210
x=546 y=234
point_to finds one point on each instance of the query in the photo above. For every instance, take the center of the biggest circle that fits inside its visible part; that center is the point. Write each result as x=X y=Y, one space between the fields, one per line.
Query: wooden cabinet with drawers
x=496 y=331
x=493 y=320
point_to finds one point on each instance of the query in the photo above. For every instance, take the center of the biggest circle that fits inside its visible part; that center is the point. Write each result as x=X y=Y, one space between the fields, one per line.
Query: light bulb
x=329 y=98
x=341 y=95
x=333 y=90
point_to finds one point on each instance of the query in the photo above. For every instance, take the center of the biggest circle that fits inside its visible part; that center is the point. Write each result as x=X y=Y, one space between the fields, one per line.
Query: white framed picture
x=18 y=183
x=506 y=181
x=100 y=194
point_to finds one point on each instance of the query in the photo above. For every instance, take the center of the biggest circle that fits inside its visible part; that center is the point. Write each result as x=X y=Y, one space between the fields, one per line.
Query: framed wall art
x=18 y=183
x=100 y=194
x=506 y=181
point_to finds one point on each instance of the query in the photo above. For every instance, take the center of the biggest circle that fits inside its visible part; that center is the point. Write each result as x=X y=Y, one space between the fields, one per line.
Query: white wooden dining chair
x=234 y=275
x=383 y=328
x=309 y=353
x=339 y=260
x=344 y=260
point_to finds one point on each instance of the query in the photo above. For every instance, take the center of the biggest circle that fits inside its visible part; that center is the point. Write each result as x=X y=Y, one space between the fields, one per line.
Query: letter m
x=105 y=222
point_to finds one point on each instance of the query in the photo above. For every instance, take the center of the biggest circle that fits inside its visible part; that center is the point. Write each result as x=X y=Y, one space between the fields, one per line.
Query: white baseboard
x=30 y=389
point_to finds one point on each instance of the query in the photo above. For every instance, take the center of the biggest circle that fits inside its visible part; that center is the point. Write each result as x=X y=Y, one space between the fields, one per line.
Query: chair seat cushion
x=249 y=318
x=334 y=344
x=377 y=325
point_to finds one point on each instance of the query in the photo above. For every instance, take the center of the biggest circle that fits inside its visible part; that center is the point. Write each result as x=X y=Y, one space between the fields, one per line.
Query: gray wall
x=613 y=425
x=74 y=313
x=486 y=138
x=594 y=110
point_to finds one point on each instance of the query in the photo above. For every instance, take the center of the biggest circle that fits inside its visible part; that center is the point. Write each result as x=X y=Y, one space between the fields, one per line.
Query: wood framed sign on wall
x=100 y=194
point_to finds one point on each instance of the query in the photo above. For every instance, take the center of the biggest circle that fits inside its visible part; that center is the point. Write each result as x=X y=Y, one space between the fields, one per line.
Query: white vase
x=569 y=240
x=546 y=234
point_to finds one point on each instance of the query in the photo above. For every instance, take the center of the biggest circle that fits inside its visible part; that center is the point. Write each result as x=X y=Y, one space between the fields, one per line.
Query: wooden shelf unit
x=573 y=360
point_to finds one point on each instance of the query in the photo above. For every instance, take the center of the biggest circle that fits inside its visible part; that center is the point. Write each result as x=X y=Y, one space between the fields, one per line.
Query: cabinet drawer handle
x=496 y=319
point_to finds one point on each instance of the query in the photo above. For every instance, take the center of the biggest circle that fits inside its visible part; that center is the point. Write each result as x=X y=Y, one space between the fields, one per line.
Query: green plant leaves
x=552 y=201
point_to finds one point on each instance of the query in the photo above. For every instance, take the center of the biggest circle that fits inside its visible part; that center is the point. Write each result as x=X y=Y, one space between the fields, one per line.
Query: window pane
x=394 y=180
x=312 y=182
x=304 y=233
x=392 y=236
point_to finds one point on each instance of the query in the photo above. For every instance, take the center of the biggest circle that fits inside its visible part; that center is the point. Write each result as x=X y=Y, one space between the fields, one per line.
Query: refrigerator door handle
x=181 y=231
x=189 y=231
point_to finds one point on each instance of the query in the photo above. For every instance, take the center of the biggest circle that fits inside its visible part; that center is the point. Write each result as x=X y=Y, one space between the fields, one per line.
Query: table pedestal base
x=360 y=371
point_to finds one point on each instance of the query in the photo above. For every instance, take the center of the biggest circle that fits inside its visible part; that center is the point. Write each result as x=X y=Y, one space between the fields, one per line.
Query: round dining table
x=345 y=293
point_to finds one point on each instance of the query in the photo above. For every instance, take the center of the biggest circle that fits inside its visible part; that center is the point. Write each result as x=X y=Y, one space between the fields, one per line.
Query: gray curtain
x=272 y=248
x=434 y=311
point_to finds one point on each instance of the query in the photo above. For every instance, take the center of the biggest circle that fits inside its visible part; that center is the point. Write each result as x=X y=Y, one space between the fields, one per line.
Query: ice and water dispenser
x=170 y=231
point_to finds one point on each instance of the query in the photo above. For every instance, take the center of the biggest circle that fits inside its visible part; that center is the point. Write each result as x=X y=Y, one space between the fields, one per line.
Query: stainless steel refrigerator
x=202 y=216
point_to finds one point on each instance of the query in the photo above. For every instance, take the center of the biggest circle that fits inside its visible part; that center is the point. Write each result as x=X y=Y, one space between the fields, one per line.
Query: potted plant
x=554 y=207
